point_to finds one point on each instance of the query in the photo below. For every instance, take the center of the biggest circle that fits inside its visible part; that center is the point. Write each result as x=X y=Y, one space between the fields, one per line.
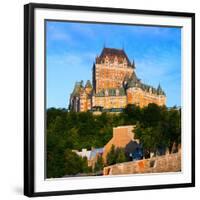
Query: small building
x=83 y=153
x=95 y=153
x=91 y=155
x=123 y=137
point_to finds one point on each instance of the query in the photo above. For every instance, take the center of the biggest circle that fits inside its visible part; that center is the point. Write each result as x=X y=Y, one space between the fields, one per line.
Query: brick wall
x=110 y=102
x=166 y=163
x=141 y=98
x=107 y=76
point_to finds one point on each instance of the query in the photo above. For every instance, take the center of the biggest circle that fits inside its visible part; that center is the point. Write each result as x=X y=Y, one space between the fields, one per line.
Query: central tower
x=110 y=69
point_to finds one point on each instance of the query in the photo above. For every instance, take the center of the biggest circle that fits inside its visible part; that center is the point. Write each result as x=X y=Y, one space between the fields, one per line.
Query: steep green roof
x=133 y=81
x=88 y=84
x=122 y=92
x=77 y=88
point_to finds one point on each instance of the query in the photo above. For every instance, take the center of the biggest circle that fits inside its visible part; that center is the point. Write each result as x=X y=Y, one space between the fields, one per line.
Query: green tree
x=173 y=128
x=116 y=155
x=85 y=168
x=149 y=138
x=111 y=156
x=72 y=139
x=74 y=164
x=151 y=115
x=120 y=155
x=99 y=164
x=156 y=127
x=55 y=155
x=160 y=128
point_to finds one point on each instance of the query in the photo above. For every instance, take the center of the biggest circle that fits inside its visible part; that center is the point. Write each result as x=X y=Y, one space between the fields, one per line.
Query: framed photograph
x=109 y=99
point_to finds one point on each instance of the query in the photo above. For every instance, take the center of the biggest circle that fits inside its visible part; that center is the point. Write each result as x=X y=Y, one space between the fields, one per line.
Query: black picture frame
x=29 y=103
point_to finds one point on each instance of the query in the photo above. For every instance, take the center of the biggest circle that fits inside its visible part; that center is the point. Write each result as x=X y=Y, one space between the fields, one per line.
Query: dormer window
x=106 y=60
x=106 y=92
x=125 y=62
x=117 y=92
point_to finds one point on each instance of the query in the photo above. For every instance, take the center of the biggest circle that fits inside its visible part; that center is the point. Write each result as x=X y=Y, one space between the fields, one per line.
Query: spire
x=159 y=89
x=133 y=64
x=81 y=83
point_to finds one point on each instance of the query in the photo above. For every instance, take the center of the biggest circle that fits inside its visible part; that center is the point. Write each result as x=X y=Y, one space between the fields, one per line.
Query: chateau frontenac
x=114 y=86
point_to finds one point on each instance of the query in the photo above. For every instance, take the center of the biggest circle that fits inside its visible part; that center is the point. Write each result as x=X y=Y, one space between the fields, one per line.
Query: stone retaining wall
x=166 y=163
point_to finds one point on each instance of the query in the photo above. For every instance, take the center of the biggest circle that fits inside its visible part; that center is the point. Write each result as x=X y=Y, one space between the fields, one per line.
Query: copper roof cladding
x=111 y=53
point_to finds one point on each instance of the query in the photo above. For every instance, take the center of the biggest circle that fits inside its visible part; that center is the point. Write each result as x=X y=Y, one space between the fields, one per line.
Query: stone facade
x=110 y=69
x=142 y=98
x=165 y=163
x=81 y=97
x=114 y=85
x=108 y=102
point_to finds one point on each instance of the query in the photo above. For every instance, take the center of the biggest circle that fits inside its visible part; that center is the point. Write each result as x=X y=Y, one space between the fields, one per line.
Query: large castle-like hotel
x=114 y=86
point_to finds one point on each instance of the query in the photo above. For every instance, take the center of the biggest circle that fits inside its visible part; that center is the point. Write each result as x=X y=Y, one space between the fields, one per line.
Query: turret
x=159 y=90
x=88 y=87
x=133 y=64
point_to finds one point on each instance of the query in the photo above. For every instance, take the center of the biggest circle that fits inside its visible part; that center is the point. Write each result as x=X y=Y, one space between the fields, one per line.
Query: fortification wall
x=166 y=163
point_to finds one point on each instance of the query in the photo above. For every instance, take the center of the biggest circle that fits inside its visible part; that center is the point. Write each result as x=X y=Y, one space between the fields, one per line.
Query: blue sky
x=71 y=49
